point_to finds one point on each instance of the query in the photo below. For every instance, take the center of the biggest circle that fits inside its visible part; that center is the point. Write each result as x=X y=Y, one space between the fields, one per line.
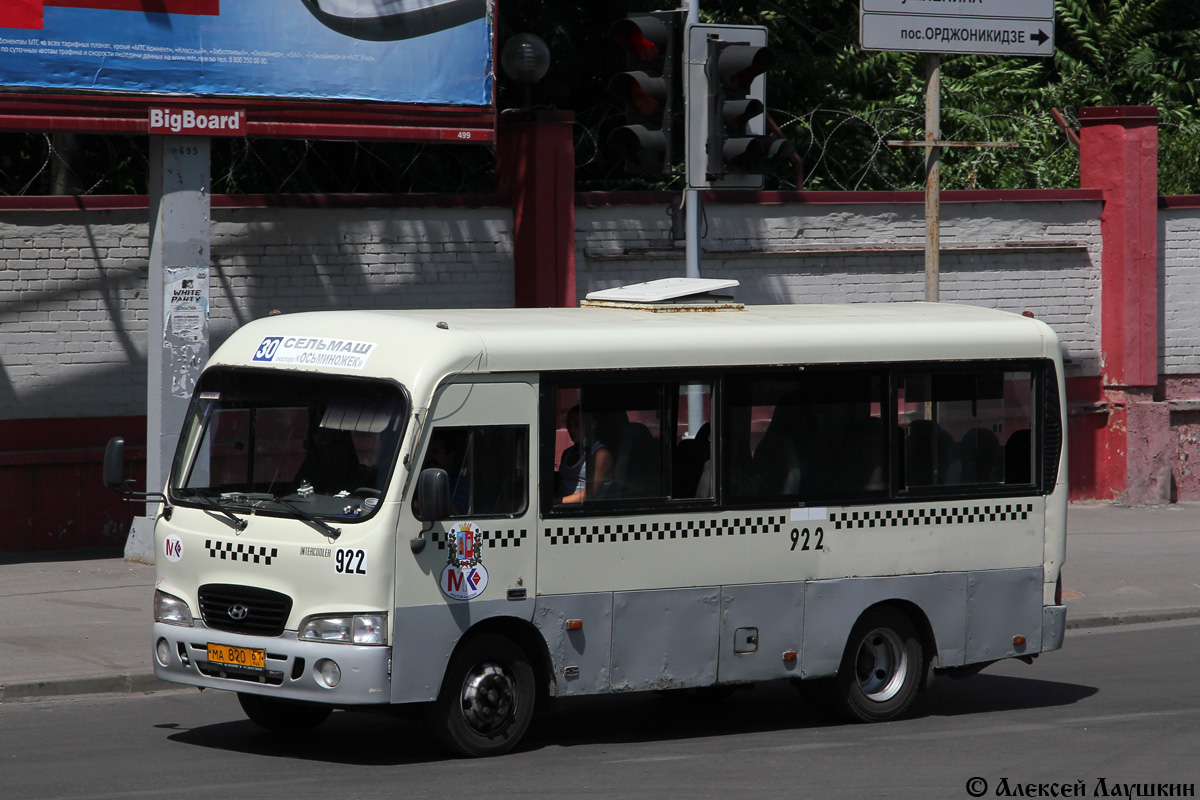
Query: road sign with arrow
x=983 y=27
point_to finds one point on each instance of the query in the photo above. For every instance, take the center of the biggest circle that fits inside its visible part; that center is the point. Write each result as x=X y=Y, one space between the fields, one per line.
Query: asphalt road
x=1120 y=705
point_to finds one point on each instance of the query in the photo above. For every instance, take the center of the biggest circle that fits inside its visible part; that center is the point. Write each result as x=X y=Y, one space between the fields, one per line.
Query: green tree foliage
x=843 y=104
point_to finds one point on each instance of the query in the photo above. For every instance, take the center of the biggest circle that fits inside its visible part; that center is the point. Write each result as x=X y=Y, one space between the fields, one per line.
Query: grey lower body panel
x=665 y=639
x=677 y=638
x=762 y=629
x=1004 y=614
x=973 y=616
x=425 y=638
x=681 y=638
x=1054 y=625
x=832 y=607
x=582 y=658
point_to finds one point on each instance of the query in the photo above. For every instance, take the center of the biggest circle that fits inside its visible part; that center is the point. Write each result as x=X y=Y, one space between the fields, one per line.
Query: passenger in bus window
x=573 y=479
x=692 y=465
x=776 y=464
x=331 y=464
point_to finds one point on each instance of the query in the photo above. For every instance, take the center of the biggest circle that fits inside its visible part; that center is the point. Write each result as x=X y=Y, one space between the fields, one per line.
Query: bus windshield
x=273 y=443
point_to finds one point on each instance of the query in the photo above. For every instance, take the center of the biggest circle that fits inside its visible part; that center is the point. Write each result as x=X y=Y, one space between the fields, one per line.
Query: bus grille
x=265 y=612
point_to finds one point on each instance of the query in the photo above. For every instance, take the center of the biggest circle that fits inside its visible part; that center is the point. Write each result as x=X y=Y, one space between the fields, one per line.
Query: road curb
x=132 y=683
x=1131 y=618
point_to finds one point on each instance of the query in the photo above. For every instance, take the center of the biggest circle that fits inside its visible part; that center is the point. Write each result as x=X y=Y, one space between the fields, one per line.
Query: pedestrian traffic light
x=728 y=145
x=647 y=88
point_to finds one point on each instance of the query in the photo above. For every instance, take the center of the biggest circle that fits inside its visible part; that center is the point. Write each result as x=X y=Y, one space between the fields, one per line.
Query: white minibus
x=471 y=511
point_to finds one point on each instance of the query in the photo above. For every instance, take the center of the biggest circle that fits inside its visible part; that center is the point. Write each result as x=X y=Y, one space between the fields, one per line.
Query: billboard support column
x=535 y=163
x=177 y=328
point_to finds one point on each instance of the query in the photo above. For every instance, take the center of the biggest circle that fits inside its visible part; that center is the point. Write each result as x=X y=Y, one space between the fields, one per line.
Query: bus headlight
x=170 y=609
x=345 y=629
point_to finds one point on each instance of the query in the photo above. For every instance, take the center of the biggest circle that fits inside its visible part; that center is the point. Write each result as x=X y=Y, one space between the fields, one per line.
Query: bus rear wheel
x=487 y=698
x=279 y=715
x=881 y=667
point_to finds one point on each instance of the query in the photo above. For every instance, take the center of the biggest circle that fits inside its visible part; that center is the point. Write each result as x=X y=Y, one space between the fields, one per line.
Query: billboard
x=437 y=52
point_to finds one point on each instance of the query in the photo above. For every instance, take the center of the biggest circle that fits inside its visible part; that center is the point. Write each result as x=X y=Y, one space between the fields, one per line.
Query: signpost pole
x=991 y=27
x=933 y=168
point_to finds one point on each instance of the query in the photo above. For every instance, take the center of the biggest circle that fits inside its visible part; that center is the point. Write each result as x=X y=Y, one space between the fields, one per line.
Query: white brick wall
x=309 y=259
x=73 y=304
x=1179 y=259
x=72 y=313
x=848 y=254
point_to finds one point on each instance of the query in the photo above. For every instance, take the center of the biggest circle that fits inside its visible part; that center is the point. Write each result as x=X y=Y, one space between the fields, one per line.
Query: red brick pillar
x=535 y=163
x=1118 y=154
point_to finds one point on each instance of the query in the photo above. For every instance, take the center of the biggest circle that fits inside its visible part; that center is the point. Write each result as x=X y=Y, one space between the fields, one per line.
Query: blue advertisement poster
x=394 y=51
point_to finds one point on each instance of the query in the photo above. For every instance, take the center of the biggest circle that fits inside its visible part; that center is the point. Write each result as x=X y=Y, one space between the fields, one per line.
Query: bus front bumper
x=293 y=669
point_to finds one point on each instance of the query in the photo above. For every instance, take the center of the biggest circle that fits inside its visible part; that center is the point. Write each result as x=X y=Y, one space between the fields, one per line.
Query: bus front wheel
x=881 y=667
x=487 y=698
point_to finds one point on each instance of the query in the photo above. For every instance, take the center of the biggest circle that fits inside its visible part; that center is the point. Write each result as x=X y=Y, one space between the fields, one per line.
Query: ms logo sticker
x=464 y=577
x=173 y=548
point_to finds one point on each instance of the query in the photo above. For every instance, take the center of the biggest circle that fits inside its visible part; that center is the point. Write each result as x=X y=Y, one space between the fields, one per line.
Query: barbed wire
x=1043 y=159
x=840 y=150
x=31 y=164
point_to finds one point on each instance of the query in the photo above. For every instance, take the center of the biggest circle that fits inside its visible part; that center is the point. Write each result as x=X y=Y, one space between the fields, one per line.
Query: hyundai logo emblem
x=238 y=612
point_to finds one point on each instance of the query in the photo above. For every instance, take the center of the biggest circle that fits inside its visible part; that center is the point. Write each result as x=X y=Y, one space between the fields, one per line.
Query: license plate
x=246 y=657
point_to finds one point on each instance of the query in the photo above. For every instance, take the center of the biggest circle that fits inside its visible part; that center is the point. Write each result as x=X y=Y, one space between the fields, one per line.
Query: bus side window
x=952 y=424
x=487 y=467
x=632 y=440
x=806 y=437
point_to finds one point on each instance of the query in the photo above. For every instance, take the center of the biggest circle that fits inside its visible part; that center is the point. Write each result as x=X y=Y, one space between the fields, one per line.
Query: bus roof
x=409 y=344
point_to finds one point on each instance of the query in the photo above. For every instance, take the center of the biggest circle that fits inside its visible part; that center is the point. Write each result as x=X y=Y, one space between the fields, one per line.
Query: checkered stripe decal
x=229 y=551
x=664 y=531
x=913 y=517
x=508 y=538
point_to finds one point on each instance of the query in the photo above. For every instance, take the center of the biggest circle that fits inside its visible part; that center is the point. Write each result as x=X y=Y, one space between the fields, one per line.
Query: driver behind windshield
x=331 y=465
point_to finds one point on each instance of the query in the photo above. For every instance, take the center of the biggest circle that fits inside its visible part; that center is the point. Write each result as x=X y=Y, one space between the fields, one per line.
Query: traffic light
x=728 y=145
x=647 y=89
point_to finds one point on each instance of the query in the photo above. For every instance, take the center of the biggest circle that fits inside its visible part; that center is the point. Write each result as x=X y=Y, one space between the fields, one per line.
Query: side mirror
x=433 y=495
x=113 y=474
x=114 y=464
x=433 y=503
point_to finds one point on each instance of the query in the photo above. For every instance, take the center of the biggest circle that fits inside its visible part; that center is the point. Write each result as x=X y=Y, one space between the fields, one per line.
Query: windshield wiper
x=330 y=531
x=238 y=522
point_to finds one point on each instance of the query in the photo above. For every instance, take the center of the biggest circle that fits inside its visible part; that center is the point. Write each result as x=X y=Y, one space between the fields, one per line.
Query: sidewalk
x=83 y=627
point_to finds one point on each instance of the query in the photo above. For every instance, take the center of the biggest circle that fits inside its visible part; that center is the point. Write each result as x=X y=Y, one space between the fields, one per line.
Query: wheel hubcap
x=881 y=665
x=489 y=698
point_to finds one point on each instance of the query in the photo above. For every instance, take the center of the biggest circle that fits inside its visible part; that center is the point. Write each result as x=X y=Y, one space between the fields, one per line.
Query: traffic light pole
x=691 y=205
x=691 y=197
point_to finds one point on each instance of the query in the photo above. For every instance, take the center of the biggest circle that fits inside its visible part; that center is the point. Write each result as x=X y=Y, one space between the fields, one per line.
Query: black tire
x=279 y=715
x=881 y=668
x=487 y=698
